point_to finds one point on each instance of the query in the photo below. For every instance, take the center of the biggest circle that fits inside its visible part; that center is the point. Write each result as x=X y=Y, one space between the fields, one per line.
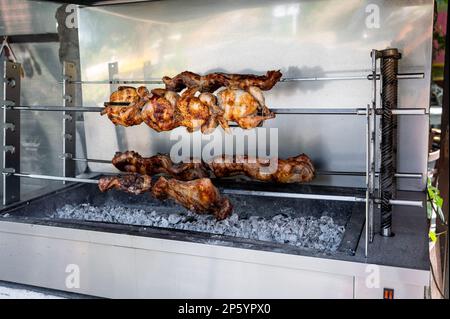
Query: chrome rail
x=235 y=191
x=400 y=76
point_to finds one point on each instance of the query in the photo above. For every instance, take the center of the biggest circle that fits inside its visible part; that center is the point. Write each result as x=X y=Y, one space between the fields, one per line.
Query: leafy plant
x=434 y=204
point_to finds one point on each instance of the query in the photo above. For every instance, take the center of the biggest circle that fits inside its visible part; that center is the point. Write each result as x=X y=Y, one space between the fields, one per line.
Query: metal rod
x=57 y=178
x=402 y=111
x=91 y=160
x=316 y=196
x=340 y=173
x=238 y=191
x=310 y=111
x=320 y=111
x=419 y=75
x=402 y=202
x=293 y=195
x=318 y=172
x=56 y=108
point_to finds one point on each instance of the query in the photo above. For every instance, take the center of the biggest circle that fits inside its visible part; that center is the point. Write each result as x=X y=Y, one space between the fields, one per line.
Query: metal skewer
x=57 y=178
x=237 y=191
x=307 y=111
x=417 y=75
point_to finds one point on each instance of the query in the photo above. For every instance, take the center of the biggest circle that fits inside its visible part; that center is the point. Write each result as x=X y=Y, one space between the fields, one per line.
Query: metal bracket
x=9 y=126
x=69 y=125
x=7 y=103
x=113 y=70
x=10 y=73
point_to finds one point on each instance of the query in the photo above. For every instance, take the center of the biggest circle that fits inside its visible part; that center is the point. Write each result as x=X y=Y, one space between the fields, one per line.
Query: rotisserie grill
x=186 y=169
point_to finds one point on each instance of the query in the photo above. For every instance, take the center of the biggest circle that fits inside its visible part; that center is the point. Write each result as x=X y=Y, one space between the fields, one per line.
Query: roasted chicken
x=246 y=108
x=242 y=102
x=130 y=113
x=198 y=195
x=133 y=162
x=295 y=169
x=213 y=81
x=129 y=183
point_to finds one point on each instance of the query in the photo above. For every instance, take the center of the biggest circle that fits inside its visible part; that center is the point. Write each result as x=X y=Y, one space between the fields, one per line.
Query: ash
x=315 y=233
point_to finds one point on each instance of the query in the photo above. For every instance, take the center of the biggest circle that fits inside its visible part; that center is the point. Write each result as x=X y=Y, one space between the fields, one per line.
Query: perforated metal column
x=389 y=92
x=10 y=76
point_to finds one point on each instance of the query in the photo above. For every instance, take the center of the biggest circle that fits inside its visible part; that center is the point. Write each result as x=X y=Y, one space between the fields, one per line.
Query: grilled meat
x=198 y=195
x=213 y=81
x=242 y=101
x=127 y=115
x=291 y=170
x=243 y=107
x=129 y=183
x=161 y=113
x=295 y=169
x=133 y=162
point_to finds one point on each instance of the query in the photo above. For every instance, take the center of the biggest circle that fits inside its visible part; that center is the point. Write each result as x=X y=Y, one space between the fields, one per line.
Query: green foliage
x=435 y=201
x=432 y=236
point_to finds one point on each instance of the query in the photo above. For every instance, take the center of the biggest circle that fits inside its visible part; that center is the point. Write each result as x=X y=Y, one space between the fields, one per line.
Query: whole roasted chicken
x=241 y=101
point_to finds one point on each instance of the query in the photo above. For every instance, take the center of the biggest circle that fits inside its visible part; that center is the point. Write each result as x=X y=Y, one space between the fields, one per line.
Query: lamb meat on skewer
x=133 y=162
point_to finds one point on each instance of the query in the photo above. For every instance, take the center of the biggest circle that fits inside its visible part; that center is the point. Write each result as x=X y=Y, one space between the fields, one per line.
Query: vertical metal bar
x=69 y=119
x=389 y=70
x=11 y=131
x=366 y=242
x=113 y=70
x=372 y=127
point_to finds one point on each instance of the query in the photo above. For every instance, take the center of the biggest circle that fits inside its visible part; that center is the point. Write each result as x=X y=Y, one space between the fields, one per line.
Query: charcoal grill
x=380 y=206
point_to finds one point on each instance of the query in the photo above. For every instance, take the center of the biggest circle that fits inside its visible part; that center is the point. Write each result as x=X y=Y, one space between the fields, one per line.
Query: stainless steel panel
x=27 y=17
x=302 y=38
x=150 y=267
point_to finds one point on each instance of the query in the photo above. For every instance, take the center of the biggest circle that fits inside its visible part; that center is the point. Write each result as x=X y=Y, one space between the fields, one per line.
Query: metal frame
x=69 y=119
x=11 y=131
x=371 y=112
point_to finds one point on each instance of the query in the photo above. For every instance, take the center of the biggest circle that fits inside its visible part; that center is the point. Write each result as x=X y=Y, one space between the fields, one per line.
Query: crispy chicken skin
x=242 y=107
x=241 y=101
x=199 y=195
